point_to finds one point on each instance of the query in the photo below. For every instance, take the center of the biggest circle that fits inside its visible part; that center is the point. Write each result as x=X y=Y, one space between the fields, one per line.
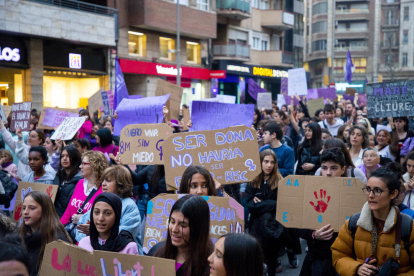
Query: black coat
x=144 y=176
x=65 y=192
x=305 y=156
x=10 y=188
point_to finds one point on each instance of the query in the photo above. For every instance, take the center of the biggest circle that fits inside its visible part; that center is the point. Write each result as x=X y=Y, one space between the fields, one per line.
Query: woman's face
x=346 y=132
x=268 y=164
x=377 y=203
x=79 y=147
x=410 y=167
x=86 y=169
x=98 y=140
x=104 y=218
x=32 y=212
x=365 y=110
x=359 y=117
x=321 y=115
x=216 y=259
x=304 y=124
x=371 y=159
x=277 y=117
x=108 y=125
x=308 y=133
x=95 y=129
x=36 y=162
x=179 y=229
x=338 y=112
x=382 y=139
x=34 y=139
x=356 y=137
x=109 y=185
x=399 y=124
x=300 y=115
x=32 y=126
x=284 y=108
x=64 y=159
x=49 y=145
x=198 y=185
x=371 y=141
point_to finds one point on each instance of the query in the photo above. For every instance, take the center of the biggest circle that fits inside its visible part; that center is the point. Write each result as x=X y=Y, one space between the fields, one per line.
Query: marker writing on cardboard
x=135 y=271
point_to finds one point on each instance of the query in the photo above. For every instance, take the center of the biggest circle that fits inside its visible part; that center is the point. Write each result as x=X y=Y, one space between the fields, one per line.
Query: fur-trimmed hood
x=366 y=220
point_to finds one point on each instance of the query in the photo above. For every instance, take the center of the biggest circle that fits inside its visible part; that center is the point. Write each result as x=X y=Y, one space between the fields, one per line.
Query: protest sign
x=362 y=100
x=226 y=99
x=284 y=86
x=231 y=155
x=326 y=93
x=95 y=102
x=311 y=202
x=280 y=100
x=174 y=102
x=59 y=116
x=390 y=99
x=63 y=259
x=24 y=188
x=264 y=100
x=226 y=216
x=68 y=128
x=315 y=104
x=7 y=110
x=253 y=88
x=139 y=111
x=21 y=116
x=105 y=101
x=186 y=117
x=211 y=115
x=297 y=82
x=288 y=100
x=348 y=97
x=350 y=91
x=312 y=94
x=117 y=264
x=142 y=144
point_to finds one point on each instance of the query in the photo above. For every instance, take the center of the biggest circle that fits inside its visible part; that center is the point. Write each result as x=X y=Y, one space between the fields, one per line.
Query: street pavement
x=287 y=270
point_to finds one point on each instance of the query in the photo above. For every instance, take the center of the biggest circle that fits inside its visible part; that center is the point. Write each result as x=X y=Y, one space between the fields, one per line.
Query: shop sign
x=238 y=68
x=75 y=61
x=251 y=70
x=267 y=72
x=218 y=74
x=161 y=70
x=9 y=54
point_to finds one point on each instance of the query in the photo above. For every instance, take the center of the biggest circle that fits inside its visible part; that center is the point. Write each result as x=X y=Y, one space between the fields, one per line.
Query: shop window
x=360 y=65
x=137 y=44
x=203 y=5
x=167 y=46
x=193 y=52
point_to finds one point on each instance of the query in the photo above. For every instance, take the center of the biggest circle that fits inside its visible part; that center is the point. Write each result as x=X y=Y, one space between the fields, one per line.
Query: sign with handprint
x=313 y=201
x=26 y=187
x=226 y=216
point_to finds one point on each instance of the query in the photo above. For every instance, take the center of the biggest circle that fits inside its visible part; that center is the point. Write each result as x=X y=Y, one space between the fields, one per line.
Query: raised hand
x=321 y=204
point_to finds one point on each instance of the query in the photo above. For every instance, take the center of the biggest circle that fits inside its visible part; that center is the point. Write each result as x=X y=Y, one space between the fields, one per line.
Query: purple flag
x=254 y=88
x=348 y=68
x=121 y=91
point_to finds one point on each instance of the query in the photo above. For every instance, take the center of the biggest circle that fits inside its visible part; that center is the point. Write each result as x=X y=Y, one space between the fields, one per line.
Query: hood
x=46 y=177
x=338 y=122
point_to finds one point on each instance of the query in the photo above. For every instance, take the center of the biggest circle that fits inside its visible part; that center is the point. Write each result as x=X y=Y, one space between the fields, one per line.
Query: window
x=203 y=5
x=319 y=8
x=406 y=14
x=276 y=43
x=342 y=8
x=137 y=43
x=358 y=44
x=193 y=52
x=404 y=60
x=265 y=45
x=360 y=65
x=264 y=5
x=319 y=45
x=256 y=43
x=389 y=59
x=255 y=4
x=167 y=45
x=319 y=27
x=405 y=37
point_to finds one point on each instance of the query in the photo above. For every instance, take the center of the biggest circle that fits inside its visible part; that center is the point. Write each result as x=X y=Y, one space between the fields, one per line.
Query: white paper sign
x=68 y=128
x=297 y=82
x=226 y=99
x=264 y=100
x=2 y=114
x=280 y=100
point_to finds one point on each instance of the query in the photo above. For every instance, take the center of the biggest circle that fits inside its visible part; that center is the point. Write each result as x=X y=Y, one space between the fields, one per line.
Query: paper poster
x=95 y=102
x=231 y=155
x=142 y=144
x=315 y=104
x=3 y=116
x=226 y=216
x=284 y=86
x=61 y=114
x=211 y=115
x=264 y=100
x=280 y=100
x=21 y=116
x=105 y=101
x=310 y=202
x=288 y=100
x=297 y=82
x=226 y=99
x=174 y=102
x=53 y=118
x=390 y=99
x=68 y=128
x=139 y=111
x=7 y=109
x=24 y=188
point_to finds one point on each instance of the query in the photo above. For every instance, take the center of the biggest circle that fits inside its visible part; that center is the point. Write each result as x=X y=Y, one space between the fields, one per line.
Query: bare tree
x=391 y=57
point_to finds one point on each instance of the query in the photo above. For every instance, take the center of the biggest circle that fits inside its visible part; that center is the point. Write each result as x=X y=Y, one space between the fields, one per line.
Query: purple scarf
x=6 y=165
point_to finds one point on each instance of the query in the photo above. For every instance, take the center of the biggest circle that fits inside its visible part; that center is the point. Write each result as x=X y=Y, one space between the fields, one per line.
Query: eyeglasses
x=377 y=191
x=84 y=163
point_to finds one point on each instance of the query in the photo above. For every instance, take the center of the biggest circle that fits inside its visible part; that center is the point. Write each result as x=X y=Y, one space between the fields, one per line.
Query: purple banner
x=253 y=88
x=53 y=118
x=327 y=93
x=312 y=94
x=349 y=97
x=121 y=91
x=284 y=86
x=140 y=111
x=288 y=100
x=213 y=115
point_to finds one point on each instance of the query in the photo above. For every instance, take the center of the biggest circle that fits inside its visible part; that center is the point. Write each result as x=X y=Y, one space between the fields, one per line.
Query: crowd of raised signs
x=95 y=201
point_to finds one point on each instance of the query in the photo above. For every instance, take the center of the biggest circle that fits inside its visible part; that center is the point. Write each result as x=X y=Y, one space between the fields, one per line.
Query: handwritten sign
x=390 y=99
x=226 y=216
x=213 y=115
x=68 y=128
x=21 y=116
x=174 y=102
x=313 y=201
x=62 y=112
x=24 y=188
x=53 y=118
x=139 y=111
x=315 y=104
x=280 y=100
x=254 y=89
x=142 y=144
x=231 y=155
x=297 y=82
x=264 y=100
x=7 y=110
x=95 y=102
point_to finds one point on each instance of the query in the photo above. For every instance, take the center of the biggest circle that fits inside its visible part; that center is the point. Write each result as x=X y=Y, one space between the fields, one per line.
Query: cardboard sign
x=297 y=82
x=174 y=102
x=68 y=128
x=231 y=155
x=64 y=259
x=59 y=117
x=139 y=111
x=24 y=188
x=314 y=105
x=212 y=115
x=280 y=100
x=390 y=99
x=142 y=144
x=7 y=109
x=187 y=118
x=53 y=118
x=21 y=116
x=95 y=102
x=264 y=100
x=226 y=216
x=350 y=91
x=117 y=264
x=311 y=202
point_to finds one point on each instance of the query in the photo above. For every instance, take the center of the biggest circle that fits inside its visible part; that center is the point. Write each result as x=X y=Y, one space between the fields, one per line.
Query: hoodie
x=47 y=178
x=333 y=129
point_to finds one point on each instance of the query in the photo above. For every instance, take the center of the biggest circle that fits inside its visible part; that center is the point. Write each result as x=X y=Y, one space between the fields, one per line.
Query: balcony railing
x=388 y=45
x=348 y=11
x=228 y=49
x=351 y=30
x=391 y=22
x=79 y=5
x=233 y=5
x=355 y=48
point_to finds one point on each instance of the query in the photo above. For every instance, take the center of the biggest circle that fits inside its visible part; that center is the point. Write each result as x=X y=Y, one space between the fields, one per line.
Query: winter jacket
x=22 y=169
x=333 y=129
x=15 y=138
x=144 y=176
x=47 y=178
x=65 y=192
x=305 y=156
x=285 y=158
x=10 y=188
x=86 y=128
x=342 y=249
x=11 y=169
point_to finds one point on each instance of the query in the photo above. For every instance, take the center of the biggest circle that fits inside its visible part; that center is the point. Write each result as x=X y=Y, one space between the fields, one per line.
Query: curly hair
x=122 y=178
x=98 y=164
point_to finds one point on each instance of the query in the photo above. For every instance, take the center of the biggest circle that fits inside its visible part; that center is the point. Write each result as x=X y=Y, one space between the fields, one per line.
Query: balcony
x=277 y=19
x=387 y=45
x=351 y=33
x=234 y=9
x=233 y=51
x=359 y=48
x=352 y=14
x=272 y=58
x=390 y=23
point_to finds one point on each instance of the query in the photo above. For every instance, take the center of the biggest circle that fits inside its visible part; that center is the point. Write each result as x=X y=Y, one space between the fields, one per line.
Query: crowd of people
x=101 y=203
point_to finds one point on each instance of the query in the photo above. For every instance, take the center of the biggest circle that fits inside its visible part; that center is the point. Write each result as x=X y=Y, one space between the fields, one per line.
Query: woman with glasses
x=366 y=251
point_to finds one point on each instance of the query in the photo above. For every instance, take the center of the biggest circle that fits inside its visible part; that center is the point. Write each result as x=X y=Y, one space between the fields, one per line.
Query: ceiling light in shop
x=135 y=33
x=192 y=43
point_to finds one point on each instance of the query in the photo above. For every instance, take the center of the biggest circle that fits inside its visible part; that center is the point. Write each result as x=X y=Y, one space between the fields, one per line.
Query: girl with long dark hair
x=308 y=151
x=197 y=180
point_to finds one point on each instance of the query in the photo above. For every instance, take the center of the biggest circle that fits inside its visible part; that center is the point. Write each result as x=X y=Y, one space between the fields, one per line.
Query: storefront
x=238 y=75
x=72 y=73
x=141 y=78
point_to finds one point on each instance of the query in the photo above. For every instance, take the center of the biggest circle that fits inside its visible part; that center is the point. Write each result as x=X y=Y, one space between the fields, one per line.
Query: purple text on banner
x=288 y=100
x=53 y=118
x=139 y=111
x=327 y=93
x=213 y=115
x=253 y=88
x=312 y=94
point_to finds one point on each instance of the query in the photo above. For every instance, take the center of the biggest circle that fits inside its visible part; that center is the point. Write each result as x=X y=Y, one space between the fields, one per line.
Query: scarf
x=5 y=165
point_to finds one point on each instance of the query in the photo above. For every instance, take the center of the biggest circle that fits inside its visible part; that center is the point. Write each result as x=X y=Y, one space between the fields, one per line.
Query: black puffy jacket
x=10 y=188
x=144 y=176
x=65 y=192
x=305 y=156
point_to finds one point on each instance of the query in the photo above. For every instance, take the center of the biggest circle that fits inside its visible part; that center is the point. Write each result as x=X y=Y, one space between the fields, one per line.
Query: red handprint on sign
x=18 y=211
x=49 y=191
x=322 y=205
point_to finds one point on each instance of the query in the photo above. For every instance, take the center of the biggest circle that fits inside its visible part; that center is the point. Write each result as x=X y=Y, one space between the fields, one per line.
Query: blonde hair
x=7 y=153
x=98 y=164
